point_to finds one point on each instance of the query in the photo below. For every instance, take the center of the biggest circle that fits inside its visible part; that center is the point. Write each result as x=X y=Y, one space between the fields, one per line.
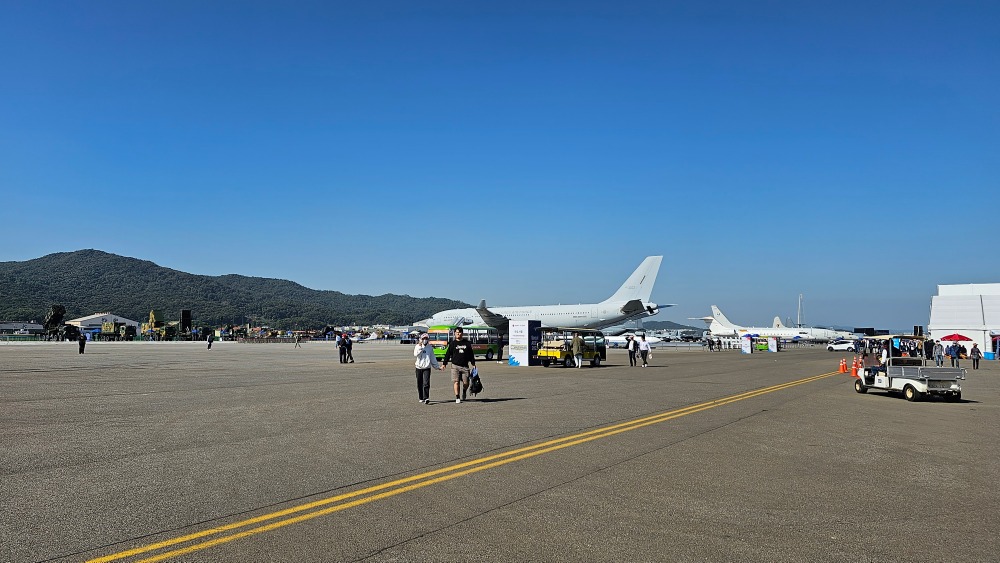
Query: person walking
x=424 y=353
x=577 y=346
x=644 y=350
x=298 y=341
x=938 y=353
x=975 y=355
x=342 y=348
x=350 y=350
x=461 y=356
x=83 y=341
x=633 y=347
x=211 y=339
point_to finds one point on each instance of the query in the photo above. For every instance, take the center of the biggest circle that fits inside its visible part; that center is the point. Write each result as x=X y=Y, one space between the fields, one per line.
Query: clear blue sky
x=525 y=153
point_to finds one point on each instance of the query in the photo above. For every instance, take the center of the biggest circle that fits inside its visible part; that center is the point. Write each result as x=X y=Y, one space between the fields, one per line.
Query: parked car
x=841 y=346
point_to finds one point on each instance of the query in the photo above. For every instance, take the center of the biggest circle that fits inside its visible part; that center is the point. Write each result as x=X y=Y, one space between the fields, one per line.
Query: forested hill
x=92 y=281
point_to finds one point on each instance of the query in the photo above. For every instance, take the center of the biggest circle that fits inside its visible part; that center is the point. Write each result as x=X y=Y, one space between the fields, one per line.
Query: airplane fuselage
x=584 y=315
x=806 y=334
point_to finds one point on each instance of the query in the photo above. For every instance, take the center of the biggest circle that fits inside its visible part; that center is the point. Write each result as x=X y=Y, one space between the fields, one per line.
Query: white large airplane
x=719 y=325
x=630 y=301
x=620 y=341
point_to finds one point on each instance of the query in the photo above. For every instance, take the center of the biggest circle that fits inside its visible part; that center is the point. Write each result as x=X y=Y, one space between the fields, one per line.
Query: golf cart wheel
x=596 y=362
x=489 y=355
x=545 y=363
x=860 y=387
x=568 y=362
x=910 y=393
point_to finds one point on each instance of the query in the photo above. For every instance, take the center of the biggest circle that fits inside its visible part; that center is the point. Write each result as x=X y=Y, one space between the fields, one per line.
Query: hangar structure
x=971 y=309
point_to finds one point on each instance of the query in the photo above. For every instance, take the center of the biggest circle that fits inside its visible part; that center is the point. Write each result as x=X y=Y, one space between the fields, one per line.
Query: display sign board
x=772 y=344
x=746 y=343
x=524 y=341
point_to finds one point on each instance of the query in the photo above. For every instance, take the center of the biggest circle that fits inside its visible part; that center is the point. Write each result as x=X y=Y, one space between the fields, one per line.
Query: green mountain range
x=92 y=281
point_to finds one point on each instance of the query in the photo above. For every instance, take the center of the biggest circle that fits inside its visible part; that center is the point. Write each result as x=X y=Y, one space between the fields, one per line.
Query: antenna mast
x=798 y=317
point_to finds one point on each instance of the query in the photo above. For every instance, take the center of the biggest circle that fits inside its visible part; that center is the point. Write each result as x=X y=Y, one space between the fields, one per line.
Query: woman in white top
x=424 y=353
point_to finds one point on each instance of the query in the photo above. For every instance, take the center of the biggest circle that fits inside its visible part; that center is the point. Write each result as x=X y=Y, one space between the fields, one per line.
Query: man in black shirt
x=461 y=356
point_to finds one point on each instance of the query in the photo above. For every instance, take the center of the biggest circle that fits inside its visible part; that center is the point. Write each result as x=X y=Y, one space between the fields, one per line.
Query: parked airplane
x=841 y=334
x=630 y=301
x=620 y=342
x=719 y=325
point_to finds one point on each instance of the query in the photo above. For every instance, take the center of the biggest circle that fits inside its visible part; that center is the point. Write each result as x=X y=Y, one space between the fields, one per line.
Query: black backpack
x=475 y=385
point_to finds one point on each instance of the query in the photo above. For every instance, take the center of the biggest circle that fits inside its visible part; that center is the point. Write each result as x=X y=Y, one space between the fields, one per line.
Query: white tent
x=972 y=310
x=91 y=322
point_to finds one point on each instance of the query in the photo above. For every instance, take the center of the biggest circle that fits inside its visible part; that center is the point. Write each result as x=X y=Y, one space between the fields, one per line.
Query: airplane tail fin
x=778 y=323
x=640 y=284
x=721 y=319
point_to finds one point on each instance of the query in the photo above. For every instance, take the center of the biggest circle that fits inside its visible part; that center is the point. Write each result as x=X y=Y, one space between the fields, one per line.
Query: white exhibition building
x=971 y=309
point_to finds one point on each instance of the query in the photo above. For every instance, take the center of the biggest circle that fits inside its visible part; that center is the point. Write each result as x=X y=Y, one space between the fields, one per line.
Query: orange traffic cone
x=854 y=367
x=843 y=365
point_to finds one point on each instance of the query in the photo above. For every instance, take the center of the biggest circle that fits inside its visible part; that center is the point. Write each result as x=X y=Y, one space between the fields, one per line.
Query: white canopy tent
x=972 y=310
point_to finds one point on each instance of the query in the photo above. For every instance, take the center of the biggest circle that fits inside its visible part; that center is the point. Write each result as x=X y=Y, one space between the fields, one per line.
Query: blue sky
x=525 y=153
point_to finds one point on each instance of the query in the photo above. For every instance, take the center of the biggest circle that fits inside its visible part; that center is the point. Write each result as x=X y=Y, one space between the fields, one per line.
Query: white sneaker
x=457 y=400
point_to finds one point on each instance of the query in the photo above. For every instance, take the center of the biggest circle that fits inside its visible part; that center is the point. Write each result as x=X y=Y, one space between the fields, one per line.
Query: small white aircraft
x=841 y=334
x=630 y=301
x=620 y=341
x=719 y=325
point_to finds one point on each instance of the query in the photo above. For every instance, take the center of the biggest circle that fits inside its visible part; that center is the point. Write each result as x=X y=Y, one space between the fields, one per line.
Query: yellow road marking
x=428 y=478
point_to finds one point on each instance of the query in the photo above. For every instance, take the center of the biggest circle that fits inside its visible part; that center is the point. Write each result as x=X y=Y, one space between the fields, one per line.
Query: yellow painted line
x=414 y=482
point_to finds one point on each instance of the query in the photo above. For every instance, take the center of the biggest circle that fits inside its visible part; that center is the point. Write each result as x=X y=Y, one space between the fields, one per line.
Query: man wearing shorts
x=461 y=356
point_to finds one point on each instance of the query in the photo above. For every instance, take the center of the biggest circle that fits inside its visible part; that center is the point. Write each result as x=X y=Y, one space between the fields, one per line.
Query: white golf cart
x=910 y=375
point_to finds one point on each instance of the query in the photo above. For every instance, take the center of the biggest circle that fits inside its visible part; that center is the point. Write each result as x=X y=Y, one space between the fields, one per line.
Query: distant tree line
x=92 y=281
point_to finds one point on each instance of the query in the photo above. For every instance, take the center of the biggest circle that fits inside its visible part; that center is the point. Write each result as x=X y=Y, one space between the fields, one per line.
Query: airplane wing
x=494 y=320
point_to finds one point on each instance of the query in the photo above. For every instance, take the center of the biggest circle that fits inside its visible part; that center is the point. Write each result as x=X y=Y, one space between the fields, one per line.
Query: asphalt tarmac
x=262 y=452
